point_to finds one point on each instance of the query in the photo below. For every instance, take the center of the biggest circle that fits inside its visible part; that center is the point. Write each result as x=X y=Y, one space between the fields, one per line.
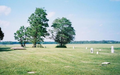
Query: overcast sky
x=91 y=19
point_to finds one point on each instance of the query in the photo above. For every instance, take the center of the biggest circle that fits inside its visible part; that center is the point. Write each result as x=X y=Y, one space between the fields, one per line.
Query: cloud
x=101 y=25
x=4 y=23
x=5 y=10
x=50 y=14
x=114 y=0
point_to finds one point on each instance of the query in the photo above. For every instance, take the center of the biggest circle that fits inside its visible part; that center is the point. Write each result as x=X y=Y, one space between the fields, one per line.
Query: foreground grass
x=60 y=61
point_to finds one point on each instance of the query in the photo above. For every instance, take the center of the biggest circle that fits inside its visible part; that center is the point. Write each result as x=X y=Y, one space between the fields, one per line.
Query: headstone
x=97 y=52
x=99 y=49
x=31 y=72
x=91 y=50
x=73 y=47
x=105 y=63
x=86 y=47
x=112 y=49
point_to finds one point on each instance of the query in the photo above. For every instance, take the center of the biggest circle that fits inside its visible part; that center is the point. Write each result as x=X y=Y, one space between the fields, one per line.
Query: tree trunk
x=24 y=44
x=21 y=43
x=34 y=45
x=35 y=40
x=60 y=44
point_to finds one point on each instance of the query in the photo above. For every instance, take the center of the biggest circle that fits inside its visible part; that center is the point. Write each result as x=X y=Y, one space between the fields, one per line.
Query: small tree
x=21 y=36
x=1 y=34
x=38 y=24
x=62 y=32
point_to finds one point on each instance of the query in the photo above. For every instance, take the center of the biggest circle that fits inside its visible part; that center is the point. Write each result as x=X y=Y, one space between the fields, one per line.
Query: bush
x=61 y=47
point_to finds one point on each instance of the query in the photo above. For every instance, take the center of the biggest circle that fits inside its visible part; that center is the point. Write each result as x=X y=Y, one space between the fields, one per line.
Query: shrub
x=61 y=46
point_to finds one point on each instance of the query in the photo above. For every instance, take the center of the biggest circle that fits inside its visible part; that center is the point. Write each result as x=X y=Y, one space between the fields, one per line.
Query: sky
x=91 y=19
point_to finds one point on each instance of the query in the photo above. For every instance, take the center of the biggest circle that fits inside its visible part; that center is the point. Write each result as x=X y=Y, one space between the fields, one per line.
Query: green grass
x=60 y=61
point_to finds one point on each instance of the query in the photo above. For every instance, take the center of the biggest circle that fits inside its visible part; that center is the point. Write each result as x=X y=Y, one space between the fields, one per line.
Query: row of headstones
x=91 y=50
x=112 y=50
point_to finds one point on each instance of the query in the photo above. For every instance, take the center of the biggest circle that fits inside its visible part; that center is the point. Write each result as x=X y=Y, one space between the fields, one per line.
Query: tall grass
x=60 y=61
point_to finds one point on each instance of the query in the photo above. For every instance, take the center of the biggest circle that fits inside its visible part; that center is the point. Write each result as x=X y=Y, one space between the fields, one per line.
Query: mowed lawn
x=60 y=61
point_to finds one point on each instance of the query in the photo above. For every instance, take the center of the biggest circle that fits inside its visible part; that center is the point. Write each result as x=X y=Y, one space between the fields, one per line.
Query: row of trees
x=62 y=31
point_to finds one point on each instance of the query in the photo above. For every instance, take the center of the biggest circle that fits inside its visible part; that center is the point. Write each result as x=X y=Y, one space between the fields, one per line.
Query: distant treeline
x=11 y=42
x=96 y=42
x=74 y=42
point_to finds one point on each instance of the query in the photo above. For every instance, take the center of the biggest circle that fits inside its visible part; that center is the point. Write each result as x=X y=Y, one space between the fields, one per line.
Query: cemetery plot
x=61 y=61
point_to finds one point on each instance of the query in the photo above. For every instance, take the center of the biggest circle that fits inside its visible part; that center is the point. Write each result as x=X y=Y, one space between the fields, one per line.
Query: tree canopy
x=62 y=32
x=1 y=34
x=38 y=23
x=21 y=36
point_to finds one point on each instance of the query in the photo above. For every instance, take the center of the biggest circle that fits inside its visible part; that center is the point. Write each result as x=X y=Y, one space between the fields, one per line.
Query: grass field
x=60 y=61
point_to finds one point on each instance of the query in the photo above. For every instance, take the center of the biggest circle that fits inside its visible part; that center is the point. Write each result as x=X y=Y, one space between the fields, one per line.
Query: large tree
x=62 y=32
x=1 y=34
x=21 y=35
x=38 y=24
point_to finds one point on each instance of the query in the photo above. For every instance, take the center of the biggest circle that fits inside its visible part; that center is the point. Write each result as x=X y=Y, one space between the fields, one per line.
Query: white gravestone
x=97 y=52
x=105 y=63
x=86 y=47
x=112 y=49
x=99 y=49
x=31 y=72
x=91 y=50
x=73 y=47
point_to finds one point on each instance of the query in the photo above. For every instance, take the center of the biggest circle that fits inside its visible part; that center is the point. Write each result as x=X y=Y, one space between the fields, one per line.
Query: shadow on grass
x=2 y=49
